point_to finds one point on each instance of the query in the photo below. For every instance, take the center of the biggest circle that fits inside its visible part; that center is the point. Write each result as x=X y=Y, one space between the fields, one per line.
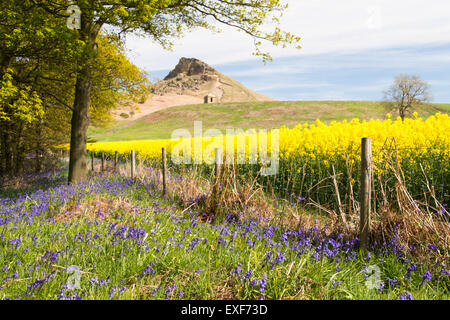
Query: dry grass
x=413 y=224
x=98 y=208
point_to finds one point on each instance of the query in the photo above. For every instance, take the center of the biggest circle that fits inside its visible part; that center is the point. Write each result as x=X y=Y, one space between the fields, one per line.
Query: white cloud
x=325 y=26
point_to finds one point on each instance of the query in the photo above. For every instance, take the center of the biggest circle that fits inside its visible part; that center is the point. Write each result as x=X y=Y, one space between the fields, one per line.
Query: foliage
x=21 y=103
x=38 y=63
x=130 y=243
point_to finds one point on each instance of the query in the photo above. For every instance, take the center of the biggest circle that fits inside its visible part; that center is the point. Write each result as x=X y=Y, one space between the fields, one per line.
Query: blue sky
x=352 y=50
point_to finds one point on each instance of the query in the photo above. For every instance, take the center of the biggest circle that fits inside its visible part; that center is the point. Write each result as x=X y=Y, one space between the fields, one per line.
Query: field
x=112 y=237
x=125 y=175
x=245 y=115
x=417 y=150
x=291 y=236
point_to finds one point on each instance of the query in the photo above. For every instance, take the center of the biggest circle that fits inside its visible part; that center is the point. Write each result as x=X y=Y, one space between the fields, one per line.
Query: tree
x=162 y=21
x=39 y=61
x=407 y=92
x=27 y=38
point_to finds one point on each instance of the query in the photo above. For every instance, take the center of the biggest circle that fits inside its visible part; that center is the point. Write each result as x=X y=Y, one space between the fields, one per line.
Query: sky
x=351 y=50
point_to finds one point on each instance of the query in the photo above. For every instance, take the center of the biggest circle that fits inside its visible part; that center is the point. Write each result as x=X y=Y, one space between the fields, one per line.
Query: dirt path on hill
x=156 y=103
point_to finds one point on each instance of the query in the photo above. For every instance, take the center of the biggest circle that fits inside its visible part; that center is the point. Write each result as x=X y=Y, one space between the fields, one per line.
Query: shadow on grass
x=31 y=182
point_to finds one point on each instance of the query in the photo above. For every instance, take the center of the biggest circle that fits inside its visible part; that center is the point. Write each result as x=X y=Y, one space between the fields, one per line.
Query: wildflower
x=426 y=277
x=147 y=270
x=392 y=282
x=198 y=271
x=406 y=296
x=410 y=269
x=155 y=290
x=222 y=242
x=194 y=242
x=169 y=291
x=248 y=275
x=262 y=284
x=336 y=283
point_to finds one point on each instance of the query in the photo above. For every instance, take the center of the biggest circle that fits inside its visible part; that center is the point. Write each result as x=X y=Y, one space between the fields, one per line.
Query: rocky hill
x=188 y=83
x=196 y=78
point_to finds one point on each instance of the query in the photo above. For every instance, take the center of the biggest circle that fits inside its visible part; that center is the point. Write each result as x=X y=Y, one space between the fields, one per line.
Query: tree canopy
x=83 y=73
x=407 y=92
x=39 y=63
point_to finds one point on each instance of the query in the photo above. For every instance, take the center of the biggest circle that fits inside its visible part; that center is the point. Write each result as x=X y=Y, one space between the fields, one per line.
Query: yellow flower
x=338 y=140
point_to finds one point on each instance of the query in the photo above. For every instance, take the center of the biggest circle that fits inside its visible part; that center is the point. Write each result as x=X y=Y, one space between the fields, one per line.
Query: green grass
x=37 y=243
x=245 y=115
x=445 y=107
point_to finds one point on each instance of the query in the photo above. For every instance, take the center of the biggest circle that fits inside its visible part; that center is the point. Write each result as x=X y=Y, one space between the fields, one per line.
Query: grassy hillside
x=267 y=114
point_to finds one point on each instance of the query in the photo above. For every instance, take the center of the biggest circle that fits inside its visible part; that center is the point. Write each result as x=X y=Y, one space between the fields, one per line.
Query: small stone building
x=210 y=98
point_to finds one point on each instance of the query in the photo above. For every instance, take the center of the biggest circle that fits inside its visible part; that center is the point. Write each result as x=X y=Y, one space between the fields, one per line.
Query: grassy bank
x=129 y=242
x=245 y=115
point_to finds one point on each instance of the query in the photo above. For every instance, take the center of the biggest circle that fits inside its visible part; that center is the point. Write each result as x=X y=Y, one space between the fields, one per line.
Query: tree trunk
x=39 y=149
x=80 y=124
x=402 y=114
x=6 y=150
x=80 y=116
x=20 y=151
x=2 y=152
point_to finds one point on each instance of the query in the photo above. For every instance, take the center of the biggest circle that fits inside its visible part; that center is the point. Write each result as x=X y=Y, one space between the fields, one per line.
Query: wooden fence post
x=366 y=176
x=218 y=162
x=92 y=160
x=164 y=170
x=103 y=161
x=133 y=163
x=116 y=159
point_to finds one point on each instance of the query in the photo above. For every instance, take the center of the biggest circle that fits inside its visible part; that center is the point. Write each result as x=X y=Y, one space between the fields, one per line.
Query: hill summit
x=195 y=78
x=190 y=67
x=189 y=83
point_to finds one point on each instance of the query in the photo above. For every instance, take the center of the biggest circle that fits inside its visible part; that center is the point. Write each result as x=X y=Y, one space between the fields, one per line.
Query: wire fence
x=335 y=181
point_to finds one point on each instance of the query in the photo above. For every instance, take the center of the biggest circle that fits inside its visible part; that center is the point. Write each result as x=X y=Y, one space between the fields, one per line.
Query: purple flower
x=336 y=283
x=410 y=269
x=147 y=270
x=222 y=242
x=39 y=282
x=169 y=291
x=426 y=276
x=198 y=271
x=155 y=290
x=262 y=284
x=194 y=242
x=392 y=282
x=406 y=296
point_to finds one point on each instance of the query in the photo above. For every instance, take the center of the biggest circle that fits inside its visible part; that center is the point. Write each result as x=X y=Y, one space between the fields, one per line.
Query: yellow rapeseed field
x=411 y=137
